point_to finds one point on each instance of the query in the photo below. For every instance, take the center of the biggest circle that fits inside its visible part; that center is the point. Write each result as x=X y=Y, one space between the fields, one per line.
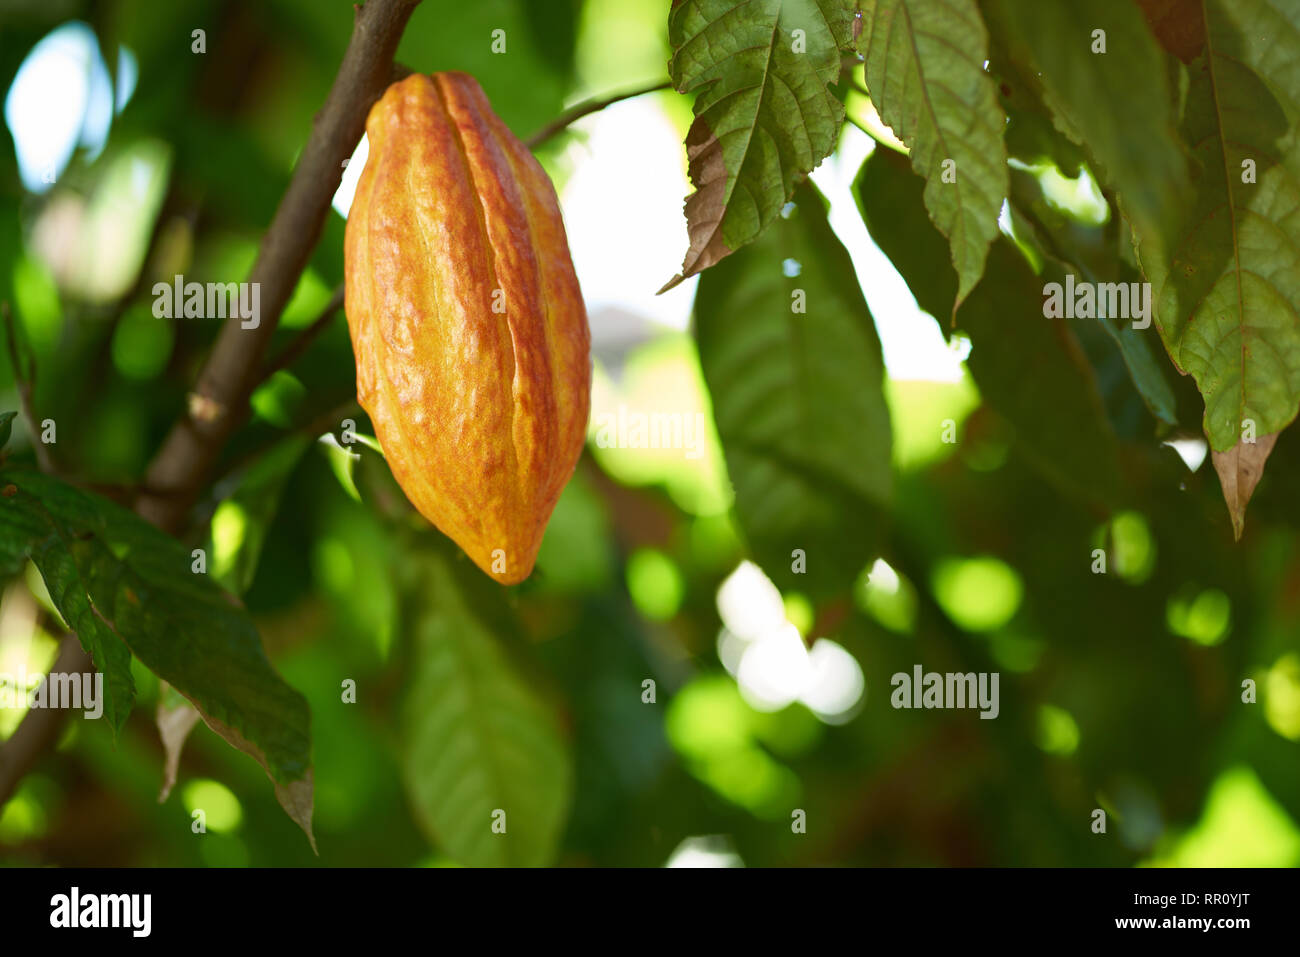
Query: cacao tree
x=374 y=400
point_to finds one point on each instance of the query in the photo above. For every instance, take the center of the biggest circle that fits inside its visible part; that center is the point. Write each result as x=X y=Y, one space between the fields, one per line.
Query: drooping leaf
x=480 y=747
x=1031 y=135
x=1116 y=104
x=1032 y=138
x=764 y=116
x=235 y=537
x=889 y=196
x=1032 y=370
x=125 y=587
x=1028 y=367
x=925 y=72
x=791 y=359
x=1146 y=369
x=1240 y=469
x=175 y=718
x=1092 y=255
x=1226 y=285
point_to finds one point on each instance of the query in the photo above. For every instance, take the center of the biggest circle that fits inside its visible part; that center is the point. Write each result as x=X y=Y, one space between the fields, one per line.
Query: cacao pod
x=469 y=330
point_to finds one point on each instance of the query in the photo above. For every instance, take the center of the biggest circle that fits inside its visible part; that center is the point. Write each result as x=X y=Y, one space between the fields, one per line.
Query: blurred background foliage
x=141 y=159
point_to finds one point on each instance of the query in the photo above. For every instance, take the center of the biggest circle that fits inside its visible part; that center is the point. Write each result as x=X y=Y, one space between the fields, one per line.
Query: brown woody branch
x=218 y=404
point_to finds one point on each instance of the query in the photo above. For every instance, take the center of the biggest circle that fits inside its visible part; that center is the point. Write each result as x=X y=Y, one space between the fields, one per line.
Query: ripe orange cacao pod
x=470 y=335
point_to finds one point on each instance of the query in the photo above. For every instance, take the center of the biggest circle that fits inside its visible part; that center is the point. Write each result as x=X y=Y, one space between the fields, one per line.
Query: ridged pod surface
x=468 y=326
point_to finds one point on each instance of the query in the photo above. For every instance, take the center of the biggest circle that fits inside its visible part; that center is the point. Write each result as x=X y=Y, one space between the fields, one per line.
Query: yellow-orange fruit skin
x=468 y=326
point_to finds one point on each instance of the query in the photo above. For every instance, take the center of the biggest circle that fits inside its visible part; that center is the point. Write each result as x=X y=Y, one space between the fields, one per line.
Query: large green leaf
x=76 y=567
x=1116 y=104
x=1028 y=367
x=1093 y=254
x=477 y=739
x=763 y=117
x=797 y=399
x=125 y=587
x=235 y=538
x=1226 y=286
x=925 y=72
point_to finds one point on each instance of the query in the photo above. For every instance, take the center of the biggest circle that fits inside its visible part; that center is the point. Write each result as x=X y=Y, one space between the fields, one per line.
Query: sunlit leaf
x=763 y=115
x=1227 y=284
x=125 y=587
x=1028 y=367
x=1116 y=104
x=925 y=72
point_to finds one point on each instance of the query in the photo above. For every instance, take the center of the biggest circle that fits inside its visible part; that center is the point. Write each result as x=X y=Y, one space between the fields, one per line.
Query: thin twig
x=294 y=350
x=587 y=107
x=25 y=380
x=317 y=425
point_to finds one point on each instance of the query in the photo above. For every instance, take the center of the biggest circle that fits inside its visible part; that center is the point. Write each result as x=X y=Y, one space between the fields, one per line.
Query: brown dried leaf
x=175 y=722
x=1239 y=471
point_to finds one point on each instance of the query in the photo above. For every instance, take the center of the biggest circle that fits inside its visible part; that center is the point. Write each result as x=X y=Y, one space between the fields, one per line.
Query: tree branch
x=218 y=404
x=585 y=108
x=25 y=382
x=219 y=401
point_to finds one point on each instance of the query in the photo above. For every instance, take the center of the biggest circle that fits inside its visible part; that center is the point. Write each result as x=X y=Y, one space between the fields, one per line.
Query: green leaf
x=125 y=587
x=889 y=197
x=797 y=399
x=78 y=571
x=1117 y=104
x=1031 y=135
x=477 y=739
x=925 y=72
x=1092 y=255
x=1028 y=367
x=763 y=117
x=6 y=427
x=1226 y=286
x=1145 y=368
x=1032 y=370
x=240 y=522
